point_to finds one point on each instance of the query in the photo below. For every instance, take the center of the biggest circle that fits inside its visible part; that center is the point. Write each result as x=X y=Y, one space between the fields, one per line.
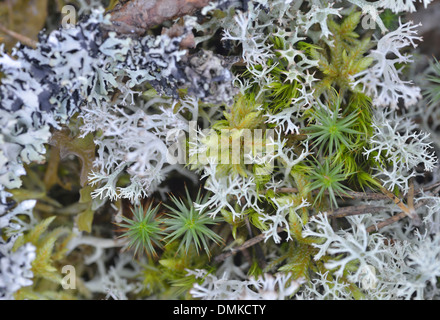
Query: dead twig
x=354 y=210
x=349 y=194
x=399 y=202
x=428 y=188
x=362 y=195
x=409 y=210
x=19 y=37
x=258 y=251
x=386 y=222
x=249 y=243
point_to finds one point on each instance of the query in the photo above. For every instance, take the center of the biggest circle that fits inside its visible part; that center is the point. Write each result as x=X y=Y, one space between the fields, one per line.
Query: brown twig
x=399 y=201
x=354 y=210
x=23 y=39
x=432 y=186
x=360 y=195
x=386 y=222
x=249 y=243
x=411 y=209
x=393 y=219
x=258 y=251
x=349 y=194
x=406 y=211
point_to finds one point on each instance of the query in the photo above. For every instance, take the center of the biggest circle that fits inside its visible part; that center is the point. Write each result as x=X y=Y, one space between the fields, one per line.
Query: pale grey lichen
x=15 y=268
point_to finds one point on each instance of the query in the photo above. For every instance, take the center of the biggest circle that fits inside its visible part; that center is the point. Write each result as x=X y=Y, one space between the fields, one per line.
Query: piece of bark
x=176 y=31
x=137 y=16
